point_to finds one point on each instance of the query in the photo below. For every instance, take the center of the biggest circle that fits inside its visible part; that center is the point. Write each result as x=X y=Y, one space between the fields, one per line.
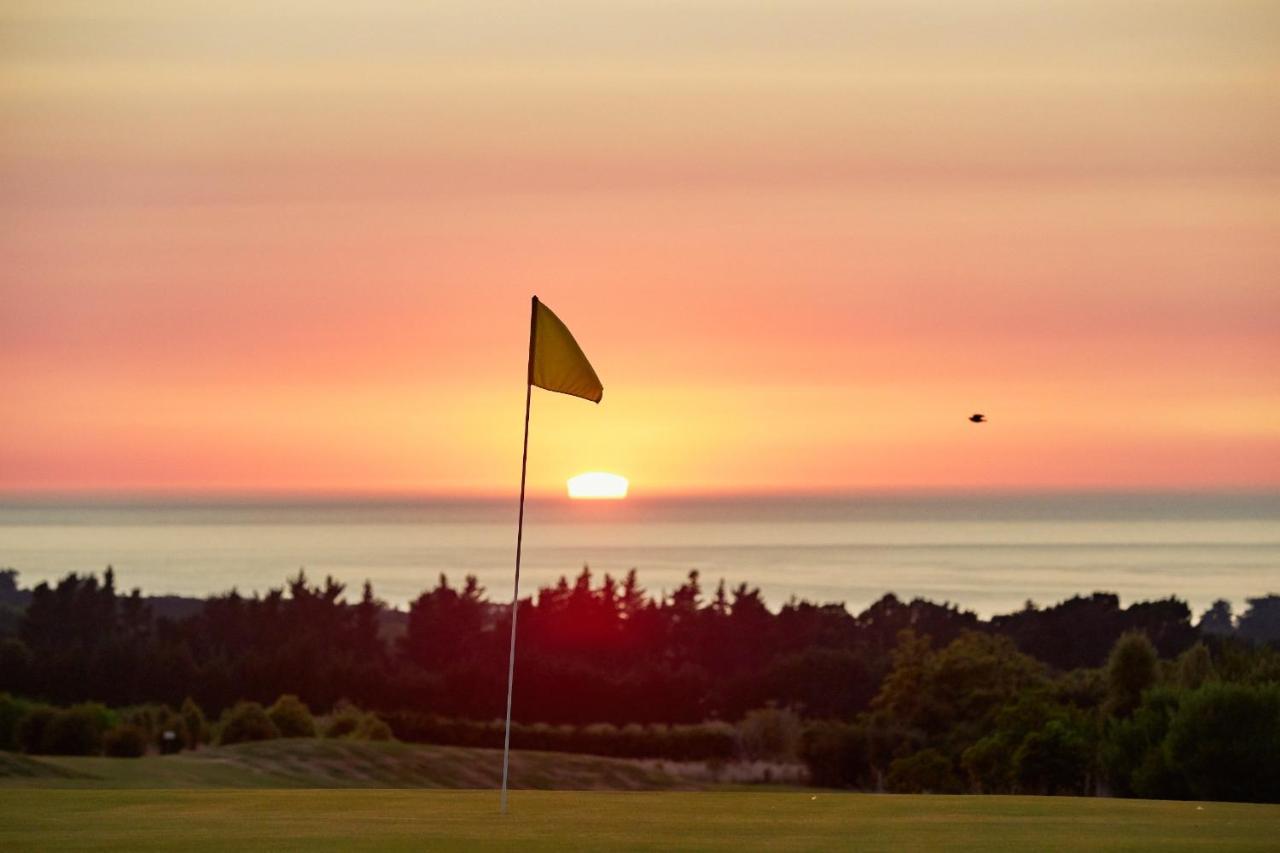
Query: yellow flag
x=556 y=362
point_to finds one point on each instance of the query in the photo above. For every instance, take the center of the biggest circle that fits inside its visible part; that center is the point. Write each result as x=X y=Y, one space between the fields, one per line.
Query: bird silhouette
x=978 y=419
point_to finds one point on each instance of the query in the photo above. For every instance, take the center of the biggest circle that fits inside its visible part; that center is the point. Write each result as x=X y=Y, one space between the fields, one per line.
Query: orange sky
x=290 y=246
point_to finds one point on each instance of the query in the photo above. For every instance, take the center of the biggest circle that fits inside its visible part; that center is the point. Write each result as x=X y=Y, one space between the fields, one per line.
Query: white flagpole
x=515 y=596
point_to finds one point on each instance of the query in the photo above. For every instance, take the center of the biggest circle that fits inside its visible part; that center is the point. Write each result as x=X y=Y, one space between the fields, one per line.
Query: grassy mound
x=356 y=764
x=20 y=768
x=320 y=763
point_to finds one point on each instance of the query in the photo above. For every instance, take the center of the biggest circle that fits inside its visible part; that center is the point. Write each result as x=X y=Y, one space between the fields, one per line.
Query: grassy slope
x=307 y=763
x=23 y=770
x=33 y=819
x=107 y=813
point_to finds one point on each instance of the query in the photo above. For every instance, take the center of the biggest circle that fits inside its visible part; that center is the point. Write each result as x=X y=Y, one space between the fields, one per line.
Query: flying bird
x=978 y=419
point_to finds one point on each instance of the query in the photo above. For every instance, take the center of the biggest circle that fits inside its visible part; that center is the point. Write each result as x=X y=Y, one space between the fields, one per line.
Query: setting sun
x=598 y=485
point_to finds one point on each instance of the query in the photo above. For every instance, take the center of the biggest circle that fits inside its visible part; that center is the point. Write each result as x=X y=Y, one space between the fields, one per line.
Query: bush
x=68 y=733
x=837 y=755
x=1156 y=779
x=344 y=721
x=770 y=734
x=160 y=724
x=292 y=717
x=1224 y=741
x=989 y=765
x=197 y=728
x=713 y=741
x=171 y=732
x=77 y=730
x=246 y=721
x=12 y=710
x=142 y=716
x=31 y=728
x=372 y=728
x=925 y=772
x=1054 y=760
x=599 y=739
x=1129 y=745
x=125 y=741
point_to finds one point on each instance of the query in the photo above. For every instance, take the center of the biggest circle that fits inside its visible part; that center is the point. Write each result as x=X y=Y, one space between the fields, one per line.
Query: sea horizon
x=988 y=551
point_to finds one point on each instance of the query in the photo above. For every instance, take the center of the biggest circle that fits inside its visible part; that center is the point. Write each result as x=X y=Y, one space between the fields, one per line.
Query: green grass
x=318 y=763
x=344 y=795
x=138 y=820
x=23 y=770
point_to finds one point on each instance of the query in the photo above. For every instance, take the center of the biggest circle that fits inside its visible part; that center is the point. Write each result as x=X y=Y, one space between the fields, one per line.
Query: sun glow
x=598 y=485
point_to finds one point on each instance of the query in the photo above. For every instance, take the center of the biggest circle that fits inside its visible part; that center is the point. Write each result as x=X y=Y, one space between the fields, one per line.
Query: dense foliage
x=589 y=652
x=977 y=715
x=1078 y=698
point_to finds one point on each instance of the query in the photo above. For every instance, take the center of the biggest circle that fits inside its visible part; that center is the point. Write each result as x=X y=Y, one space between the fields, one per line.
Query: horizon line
x=340 y=496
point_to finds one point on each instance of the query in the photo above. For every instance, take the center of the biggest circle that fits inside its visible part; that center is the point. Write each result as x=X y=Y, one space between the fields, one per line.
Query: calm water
x=988 y=553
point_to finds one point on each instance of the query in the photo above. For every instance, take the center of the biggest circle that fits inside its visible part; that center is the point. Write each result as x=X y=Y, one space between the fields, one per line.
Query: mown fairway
x=338 y=795
x=52 y=819
x=323 y=763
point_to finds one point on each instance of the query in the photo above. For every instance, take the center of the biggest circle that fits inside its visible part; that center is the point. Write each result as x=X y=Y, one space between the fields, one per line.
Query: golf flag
x=556 y=362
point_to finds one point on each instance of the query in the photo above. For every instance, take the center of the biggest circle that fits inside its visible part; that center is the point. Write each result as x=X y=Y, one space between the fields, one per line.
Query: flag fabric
x=556 y=362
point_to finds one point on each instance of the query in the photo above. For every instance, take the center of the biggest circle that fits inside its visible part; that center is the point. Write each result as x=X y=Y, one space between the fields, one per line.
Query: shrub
x=713 y=741
x=77 y=730
x=292 y=717
x=372 y=728
x=348 y=721
x=599 y=739
x=12 y=710
x=1224 y=741
x=925 y=772
x=344 y=721
x=102 y=717
x=1054 y=760
x=70 y=734
x=160 y=724
x=989 y=765
x=1128 y=744
x=125 y=741
x=1155 y=778
x=838 y=755
x=31 y=728
x=770 y=734
x=246 y=721
x=171 y=732
x=197 y=728
x=142 y=716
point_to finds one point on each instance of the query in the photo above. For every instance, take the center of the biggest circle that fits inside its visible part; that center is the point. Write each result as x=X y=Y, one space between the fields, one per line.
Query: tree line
x=605 y=651
x=1082 y=697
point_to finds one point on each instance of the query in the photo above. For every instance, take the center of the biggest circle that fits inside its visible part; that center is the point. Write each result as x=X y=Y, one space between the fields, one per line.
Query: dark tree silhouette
x=1261 y=621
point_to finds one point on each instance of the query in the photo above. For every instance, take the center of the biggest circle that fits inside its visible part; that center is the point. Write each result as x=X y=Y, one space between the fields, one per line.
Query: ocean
x=987 y=553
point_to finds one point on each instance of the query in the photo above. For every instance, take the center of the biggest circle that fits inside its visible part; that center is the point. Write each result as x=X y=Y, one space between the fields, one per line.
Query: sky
x=289 y=247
